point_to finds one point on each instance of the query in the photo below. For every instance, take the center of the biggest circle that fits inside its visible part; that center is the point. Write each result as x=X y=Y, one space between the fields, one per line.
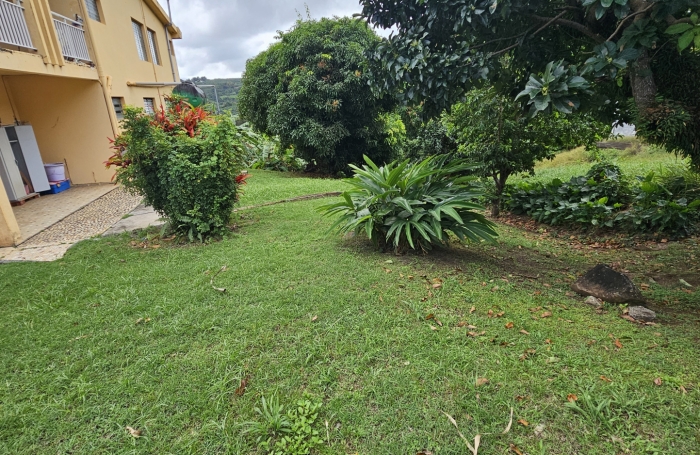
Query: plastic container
x=57 y=187
x=56 y=172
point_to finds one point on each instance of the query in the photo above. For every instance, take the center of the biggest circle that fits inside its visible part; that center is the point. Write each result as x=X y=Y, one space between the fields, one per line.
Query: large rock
x=641 y=313
x=608 y=285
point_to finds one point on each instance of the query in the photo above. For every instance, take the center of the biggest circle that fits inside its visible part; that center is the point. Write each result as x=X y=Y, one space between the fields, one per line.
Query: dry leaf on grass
x=658 y=381
x=605 y=378
x=432 y=327
x=429 y=317
x=134 y=432
x=424 y=452
x=514 y=449
x=473 y=309
x=481 y=381
x=618 y=345
x=510 y=325
x=477 y=439
x=525 y=332
x=241 y=388
x=524 y=422
x=313 y=319
x=546 y=314
x=571 y=398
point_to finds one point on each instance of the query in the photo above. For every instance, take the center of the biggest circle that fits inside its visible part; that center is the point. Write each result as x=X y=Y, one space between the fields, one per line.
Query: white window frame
x=93 y=10
x=153 y=45
x=140 y=41
x=149 y=105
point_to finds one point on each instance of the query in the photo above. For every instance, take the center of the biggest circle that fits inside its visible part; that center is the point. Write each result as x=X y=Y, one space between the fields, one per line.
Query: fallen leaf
x=388 y=261
x=381 y=299
x=547 y=341
x=474 y=334
x=473 y=309
x=134 y=432
x=313 y=319
x=437 y=285
x=462 y=324
x=658 y=381
x=410 y=277
x=471 y=326
x=490 y=313
x=618 y=345
x=438 y=322
x=539 y=429
x=571 y=398
x=510 y=325
x=525 y=332
x=241 y=388
x=138 y=321
x=520 y=398
x=524 y=422
x=683 y=390
x=515 y=449
x=500 y=315
x=481 y=381
x=546 y=314
x=432 y=327
x=537 y=293
x=605 y=378
x=424 y=452
x=535 y=310
x=429 y=317
x=495 y=288
x=387 y=270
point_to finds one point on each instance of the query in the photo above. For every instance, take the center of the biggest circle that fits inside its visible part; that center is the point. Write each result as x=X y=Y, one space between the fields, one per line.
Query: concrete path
x=139 y=218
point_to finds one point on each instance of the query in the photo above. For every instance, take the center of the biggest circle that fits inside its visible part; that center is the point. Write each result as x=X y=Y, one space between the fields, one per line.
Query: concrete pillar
x=9 y=229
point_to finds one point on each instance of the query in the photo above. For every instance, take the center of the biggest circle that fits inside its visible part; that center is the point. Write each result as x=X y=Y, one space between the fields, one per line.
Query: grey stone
x=140 y=218
x=641 y=313
x=608 y=285
x=595 y=302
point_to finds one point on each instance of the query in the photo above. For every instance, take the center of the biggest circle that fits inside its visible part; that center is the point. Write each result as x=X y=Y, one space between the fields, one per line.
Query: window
x=140 y=43
x=153 y=44
x=149 y=105
x=118 y=104
x=92 y=10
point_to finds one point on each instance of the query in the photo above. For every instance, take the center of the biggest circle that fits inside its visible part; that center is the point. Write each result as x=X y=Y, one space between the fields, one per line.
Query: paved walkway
x=38 y=214
x=93 y=219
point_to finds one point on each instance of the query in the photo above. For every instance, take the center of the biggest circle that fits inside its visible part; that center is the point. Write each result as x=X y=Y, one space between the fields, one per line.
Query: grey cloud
x=219 y=35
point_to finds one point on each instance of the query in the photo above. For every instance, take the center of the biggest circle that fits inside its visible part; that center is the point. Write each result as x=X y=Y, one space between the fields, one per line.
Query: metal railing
x=13 y=26
x=72 y=37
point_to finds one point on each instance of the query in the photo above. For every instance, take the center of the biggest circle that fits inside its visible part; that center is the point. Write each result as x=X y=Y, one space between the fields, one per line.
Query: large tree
x=564 y=55
x=312 y=90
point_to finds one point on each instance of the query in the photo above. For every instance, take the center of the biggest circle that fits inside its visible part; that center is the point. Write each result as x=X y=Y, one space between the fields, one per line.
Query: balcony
x=13 y=26
x=71 y=35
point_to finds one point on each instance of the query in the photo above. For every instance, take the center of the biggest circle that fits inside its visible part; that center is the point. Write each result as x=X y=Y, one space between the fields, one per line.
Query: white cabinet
x=20 y=162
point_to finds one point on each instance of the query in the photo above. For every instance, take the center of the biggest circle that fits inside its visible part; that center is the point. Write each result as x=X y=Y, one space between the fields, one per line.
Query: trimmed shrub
x=185 y=162
x=412 y=206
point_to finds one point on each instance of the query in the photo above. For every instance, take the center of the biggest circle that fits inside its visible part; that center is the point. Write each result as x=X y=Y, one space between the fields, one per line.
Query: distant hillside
x=227 y=89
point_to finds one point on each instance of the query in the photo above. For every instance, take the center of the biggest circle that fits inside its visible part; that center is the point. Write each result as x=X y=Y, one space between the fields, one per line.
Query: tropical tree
x=563 y=55
x=502 y=139
x=312 y=90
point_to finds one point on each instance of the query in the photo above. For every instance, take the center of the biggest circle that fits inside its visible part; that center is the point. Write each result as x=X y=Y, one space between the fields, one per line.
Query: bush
x=668 y=203
x=312 y=90
x=185 y=162
x=412 y=205
x=271 y=157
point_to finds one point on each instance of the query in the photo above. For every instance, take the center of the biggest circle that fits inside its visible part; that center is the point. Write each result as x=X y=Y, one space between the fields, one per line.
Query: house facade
x=68 y=68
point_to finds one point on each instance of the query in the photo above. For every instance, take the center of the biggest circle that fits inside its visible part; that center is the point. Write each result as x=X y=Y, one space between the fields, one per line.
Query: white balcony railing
x=13 y=26
x=72 y=37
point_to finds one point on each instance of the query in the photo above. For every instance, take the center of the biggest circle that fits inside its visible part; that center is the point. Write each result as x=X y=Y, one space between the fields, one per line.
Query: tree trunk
x=643 y=86
x=500 y=181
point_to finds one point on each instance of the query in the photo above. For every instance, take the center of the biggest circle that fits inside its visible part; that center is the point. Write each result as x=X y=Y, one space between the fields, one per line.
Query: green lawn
x=118 y=335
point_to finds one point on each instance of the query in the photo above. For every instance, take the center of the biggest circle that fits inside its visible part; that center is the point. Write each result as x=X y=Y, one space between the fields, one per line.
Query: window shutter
x=92 y=10
x=140 y=44
x=154 y=48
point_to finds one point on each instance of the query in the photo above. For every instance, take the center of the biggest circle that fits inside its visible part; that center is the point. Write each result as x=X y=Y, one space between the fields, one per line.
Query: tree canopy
x=494 y=132
x=312 y=90
x=563 y=55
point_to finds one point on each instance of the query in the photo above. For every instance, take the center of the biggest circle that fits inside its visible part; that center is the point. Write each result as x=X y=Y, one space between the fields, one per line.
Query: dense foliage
x=552 y=54
x=185 y=162
x=667 y=204
x=493 y=131
x=414 y=206
x=312 y=90
x=424 y=137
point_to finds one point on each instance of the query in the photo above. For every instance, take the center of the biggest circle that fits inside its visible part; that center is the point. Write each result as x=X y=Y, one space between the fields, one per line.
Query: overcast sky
x=220 y=35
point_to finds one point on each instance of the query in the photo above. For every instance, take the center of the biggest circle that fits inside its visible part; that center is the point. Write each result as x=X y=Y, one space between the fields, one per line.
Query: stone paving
x=38 y=214
x=91 y=220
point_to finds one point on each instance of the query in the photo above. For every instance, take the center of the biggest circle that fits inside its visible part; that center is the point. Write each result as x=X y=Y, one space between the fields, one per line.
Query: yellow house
x=67 y=69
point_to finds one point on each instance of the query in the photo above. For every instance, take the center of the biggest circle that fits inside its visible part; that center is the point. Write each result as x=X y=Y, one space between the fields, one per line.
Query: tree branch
x=535 y=33
x=619 y=27
x=571 y=24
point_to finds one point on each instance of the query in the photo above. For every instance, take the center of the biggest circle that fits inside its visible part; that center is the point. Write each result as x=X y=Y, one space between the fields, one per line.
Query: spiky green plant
x=412 y=205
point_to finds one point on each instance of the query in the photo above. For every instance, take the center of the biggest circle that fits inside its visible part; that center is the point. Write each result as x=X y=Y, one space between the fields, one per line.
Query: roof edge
x=174 y=30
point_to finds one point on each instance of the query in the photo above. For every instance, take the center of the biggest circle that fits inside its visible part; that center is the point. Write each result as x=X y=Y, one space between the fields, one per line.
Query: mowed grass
x=118 y=335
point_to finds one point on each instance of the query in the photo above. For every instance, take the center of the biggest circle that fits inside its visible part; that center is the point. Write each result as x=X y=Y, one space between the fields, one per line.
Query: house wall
x=7 y=115
x=71 y=122
x=115 y=46
x=9 y=230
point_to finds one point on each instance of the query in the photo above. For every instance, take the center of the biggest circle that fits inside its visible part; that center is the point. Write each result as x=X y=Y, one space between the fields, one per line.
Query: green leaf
x=677 y=29
x=685 y=40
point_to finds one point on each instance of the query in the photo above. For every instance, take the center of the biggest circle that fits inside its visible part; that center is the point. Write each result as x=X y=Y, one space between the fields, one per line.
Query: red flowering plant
x=186 y=163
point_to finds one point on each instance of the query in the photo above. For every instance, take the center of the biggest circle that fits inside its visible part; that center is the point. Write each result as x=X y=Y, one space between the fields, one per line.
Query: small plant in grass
x=290 y=433
x=412 y=205
x=185 y=162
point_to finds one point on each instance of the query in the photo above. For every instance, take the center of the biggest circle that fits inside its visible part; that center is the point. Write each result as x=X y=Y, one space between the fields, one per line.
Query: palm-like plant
x=412 y=205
